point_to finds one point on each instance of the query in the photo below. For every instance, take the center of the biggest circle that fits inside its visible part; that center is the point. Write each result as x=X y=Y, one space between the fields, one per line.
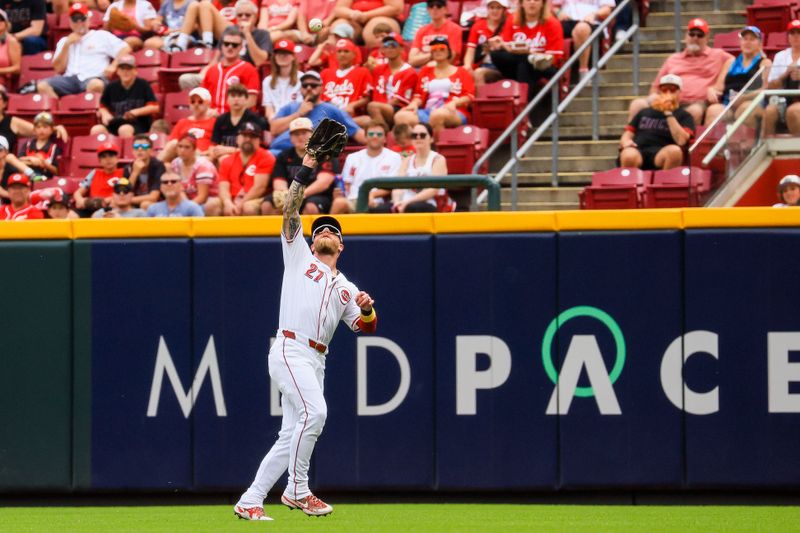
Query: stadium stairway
x=579 y=156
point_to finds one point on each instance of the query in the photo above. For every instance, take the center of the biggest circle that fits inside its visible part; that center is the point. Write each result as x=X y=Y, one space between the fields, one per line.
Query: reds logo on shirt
x=250 y=170
x=339 y=93
x=344 y=296
x=197 y=133
x=232 y=80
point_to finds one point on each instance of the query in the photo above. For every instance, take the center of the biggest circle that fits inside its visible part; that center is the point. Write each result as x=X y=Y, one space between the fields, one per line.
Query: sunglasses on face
x=391 y=44
x=669 y=89
x=243 y=15
x=141 y=146
x=417 y=135
x=697 y=34
x=310 y=85
x=438 y=48
x=169 y=182
x=78 y=18
x=230 y=44
x=374 y=134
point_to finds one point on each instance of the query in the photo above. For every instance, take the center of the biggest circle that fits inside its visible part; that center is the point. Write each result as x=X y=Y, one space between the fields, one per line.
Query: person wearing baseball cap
x=700 y=67
x=737 y=74
x=42 y=153
x=227 y=125
x=656 y=136
x=84 y=60
x=19 y=189
x=128 y=103
x=476 y=58
x=348 y=86
x=282 y=86
x=243 y=176
x=199 y=123
x=319 y=194
x=394 y=82
x=785 y=74
x=121 y=205
x=96 y=189
x=440 y=26
x=788 y=191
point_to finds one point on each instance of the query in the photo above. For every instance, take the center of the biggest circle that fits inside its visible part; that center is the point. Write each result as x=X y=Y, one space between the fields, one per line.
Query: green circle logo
x=560 y=320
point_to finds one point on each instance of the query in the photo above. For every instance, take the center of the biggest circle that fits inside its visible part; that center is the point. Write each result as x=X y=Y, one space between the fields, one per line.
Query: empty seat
x=36 y=67
x=497 y=104
x=90 y=143
x=462 y=147
x=78 y=112
x=81 y=163
x=776 y=41
x=194 y=57
x=728 y=41
x=68 y=184
x=677 y=187
x=27 y=106
x=148 y=57
x=618 y=188
x=772 y=15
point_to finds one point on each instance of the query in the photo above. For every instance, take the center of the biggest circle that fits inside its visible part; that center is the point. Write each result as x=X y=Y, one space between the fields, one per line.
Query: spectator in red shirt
x=531 y=48
x=19 y=189
x=200 y=124
x=440 y=26
x=97 y=188
x=243 y=176
x=364 y=15
x=393 y=83
x=347 y=87
x=231 y=69
x=443 y=94
x=476 y=57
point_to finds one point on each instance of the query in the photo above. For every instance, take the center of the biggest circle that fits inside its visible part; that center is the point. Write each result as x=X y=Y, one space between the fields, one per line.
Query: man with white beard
x=698 y=66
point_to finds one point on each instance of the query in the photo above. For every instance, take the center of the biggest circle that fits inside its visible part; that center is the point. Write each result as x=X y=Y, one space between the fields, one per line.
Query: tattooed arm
x=291 y=211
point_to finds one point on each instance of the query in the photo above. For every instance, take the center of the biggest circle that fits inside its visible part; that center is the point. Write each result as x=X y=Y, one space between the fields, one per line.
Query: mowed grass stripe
x=406 y=518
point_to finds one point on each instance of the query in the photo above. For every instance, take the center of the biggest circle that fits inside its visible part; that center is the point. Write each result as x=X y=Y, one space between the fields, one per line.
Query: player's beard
x=327 y=245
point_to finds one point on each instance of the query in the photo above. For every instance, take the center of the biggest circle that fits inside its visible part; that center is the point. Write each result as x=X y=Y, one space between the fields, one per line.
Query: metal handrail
x=555 y=80
x=408 y=182
x=721 y=116
x=754 y=104
x=552 y=119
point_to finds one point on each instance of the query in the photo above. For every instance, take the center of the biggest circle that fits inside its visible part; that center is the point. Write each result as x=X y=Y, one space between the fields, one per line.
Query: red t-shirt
x=400 y=85
x=201 y=129
x=366 y=5
x=380 y=59
x=100 y=183
x=228 y=11
x=480 y=32
x=449 y=29
x=28 y=212
x=341 y=87
x=459 y=84
x=241 y=178
x=218 y=78
x=540 y=38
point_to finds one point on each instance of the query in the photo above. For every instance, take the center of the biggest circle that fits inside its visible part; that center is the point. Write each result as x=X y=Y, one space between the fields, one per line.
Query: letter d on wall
x=469 y=379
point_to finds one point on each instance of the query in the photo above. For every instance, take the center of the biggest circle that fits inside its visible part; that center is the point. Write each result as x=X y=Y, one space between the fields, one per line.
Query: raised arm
x=291 y=210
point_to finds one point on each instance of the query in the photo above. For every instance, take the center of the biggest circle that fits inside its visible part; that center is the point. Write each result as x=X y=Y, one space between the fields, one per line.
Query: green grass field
x=406 y=518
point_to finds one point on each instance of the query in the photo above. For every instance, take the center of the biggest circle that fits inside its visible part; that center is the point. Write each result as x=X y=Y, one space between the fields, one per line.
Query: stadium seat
x=36 y=67
x=78 y=112
x=776 y=41
x=728 y=41
x=462 y=147
x=677 y=187
x=497 y=104
x=89 y=143
x=168 y=78
x=81 y=163
x=27 y=106
x=148 y=57
x=176 y=106
x=772 y=15
x=618 y=188
x=303 y=54
x=68 y=184
x=194 y=57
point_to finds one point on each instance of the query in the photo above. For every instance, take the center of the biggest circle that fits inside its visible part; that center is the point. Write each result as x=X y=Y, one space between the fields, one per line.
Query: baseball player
x=314 y=297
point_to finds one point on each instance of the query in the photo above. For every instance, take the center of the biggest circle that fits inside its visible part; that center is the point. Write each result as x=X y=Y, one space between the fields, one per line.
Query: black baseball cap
x=437 y=3
x=250 y=128
x=440 y=39
x=326 y=222
x=122 y=186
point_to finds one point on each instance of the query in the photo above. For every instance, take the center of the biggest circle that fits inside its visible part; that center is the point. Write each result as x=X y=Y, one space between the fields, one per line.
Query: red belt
x=318 y=346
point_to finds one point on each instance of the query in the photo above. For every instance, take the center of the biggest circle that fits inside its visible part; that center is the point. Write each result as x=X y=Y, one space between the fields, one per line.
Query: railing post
x=554 y=138
x=678 y=26
x=514 y=179
x=635 y=72
x=595 y=92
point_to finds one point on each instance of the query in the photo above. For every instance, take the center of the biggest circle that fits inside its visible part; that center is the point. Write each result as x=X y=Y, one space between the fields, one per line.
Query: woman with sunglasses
x=425 y=162
x=443 y=94
x=476 y=58
x=531 y=48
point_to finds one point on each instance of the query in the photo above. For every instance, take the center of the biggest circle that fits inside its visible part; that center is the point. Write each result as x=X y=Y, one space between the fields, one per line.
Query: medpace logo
x=583 y=353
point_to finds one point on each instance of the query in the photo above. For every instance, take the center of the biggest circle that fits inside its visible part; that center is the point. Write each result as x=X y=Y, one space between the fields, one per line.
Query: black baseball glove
x=327 y=141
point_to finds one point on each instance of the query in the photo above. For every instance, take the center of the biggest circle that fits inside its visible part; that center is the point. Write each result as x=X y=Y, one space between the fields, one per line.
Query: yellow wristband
x=370 y=317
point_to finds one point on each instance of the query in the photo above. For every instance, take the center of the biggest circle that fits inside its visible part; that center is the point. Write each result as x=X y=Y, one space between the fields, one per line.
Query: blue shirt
x=186 y=208
x=320 y=111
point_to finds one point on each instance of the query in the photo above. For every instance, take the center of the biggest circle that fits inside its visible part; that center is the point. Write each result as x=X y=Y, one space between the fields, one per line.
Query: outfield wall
x=674 y=336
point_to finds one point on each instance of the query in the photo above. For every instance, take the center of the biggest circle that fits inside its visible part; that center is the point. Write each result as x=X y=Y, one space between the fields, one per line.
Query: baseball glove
x=119 y=21
x=279 y=199
x=327 y=141
x=664 y=102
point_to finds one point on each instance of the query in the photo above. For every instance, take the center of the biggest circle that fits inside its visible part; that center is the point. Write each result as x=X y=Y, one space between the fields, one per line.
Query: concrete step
x=542 y=194
x=667 y=33
x=610 y=103
x=623 y=75
x=570 y=163
x=624 y=61
x=606 y=118
x=607 y=132
x=714 y=18
x=668 y=6
x=585 y=149
x=573 y=179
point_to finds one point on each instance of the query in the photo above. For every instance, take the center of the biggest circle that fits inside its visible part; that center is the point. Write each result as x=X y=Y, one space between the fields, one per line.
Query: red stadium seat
x=90 y=143
x=618 y=188
x=776 y=41
x=81 y=163
x=176 y=106
x=194 y=57
x=677 y=187
x=36 y=67
x=168 y=78
x=497 y=104
x=27 y=106
x=462 y=147
x=303 y=54
x=68 y=184
x=148 y=57
x=772 y=15
x=78 y=112
x=728 y=41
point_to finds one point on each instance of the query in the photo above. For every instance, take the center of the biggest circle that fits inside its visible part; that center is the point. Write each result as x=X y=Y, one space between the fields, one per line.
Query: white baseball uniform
x=313 y=300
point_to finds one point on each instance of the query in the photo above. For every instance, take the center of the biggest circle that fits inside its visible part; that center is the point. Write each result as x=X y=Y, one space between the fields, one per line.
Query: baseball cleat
x=250 y=513
x=311 y=505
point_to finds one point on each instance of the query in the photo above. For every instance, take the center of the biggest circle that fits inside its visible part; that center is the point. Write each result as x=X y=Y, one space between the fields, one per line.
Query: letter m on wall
x=165 y=365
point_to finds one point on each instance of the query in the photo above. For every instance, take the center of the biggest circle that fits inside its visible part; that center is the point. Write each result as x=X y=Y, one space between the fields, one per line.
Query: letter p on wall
x=469 y=379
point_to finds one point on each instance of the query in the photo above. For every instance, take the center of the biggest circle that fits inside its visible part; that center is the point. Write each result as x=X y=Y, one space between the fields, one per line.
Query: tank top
x=5 y=131
x=738 y=76
x=415 y=171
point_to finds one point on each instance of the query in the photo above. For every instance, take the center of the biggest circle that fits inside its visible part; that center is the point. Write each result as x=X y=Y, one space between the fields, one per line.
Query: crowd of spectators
x=253 y=105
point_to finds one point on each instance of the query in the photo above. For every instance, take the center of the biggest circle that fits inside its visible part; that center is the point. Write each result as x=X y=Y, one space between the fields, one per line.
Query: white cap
x=202 y=92
x=671 y=79
x=788 y=180
x=344 y=30
x=301 y=123
x=503 y=3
